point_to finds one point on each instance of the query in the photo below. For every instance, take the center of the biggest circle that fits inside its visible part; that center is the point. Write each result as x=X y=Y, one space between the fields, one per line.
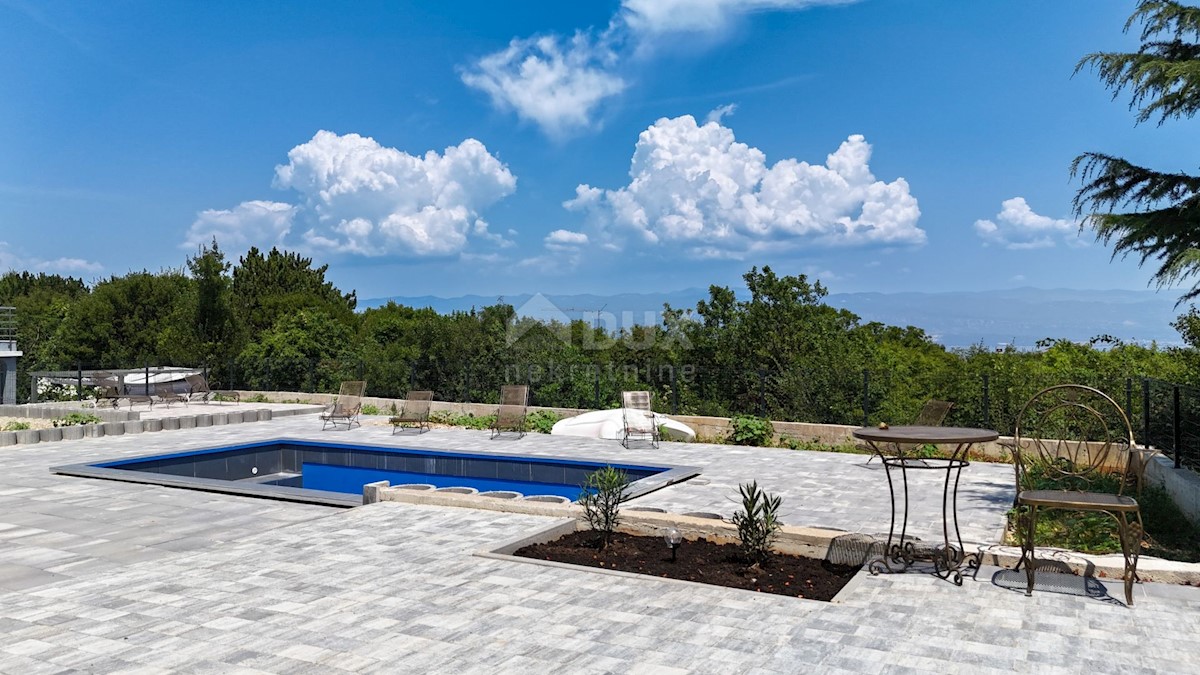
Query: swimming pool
x=334 y=473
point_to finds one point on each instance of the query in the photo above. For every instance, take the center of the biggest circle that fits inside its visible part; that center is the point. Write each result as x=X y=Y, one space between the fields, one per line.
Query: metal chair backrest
x=416 y=405
x=196 y=384
x=514 y=398
x=637 y=400
x=350 y=395
x=933 y=413
x=1071 y=432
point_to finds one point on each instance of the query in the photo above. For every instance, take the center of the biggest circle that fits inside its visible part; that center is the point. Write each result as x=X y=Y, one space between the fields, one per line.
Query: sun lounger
x=638 y=417
x=112 y=392
x=198 y=391
x=346 y=407
x=164 y=393
x=510 y=415
x=414 y=412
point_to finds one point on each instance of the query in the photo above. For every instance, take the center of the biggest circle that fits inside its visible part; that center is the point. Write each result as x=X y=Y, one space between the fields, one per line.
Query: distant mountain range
x=1018 y=316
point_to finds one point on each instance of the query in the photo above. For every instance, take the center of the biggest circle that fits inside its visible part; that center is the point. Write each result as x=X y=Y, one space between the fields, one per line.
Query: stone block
x=170 y=423
x=113 y=428
x=8 y=438
x=372 y=491
x=265 y=414
x=93 y=430
x=204 y=420
x=152 y=425
x=219 y=419
x=26 y=436
x=187 y=422
x=50 y=435
x=73 y=433
x=133 y=427
x=235 y=417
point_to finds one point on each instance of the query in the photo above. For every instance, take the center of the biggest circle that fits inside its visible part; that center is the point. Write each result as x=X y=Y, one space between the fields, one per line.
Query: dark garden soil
x=700 y=560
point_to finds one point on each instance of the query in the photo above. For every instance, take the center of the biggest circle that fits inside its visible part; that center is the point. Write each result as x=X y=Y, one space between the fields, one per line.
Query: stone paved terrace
x=103 y=576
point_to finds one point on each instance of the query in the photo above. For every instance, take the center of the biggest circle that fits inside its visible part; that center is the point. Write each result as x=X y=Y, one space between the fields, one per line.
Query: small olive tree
x=603 y=493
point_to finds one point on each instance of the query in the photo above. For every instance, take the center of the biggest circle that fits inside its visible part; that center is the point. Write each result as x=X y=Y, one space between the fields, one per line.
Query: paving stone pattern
x=133 y=578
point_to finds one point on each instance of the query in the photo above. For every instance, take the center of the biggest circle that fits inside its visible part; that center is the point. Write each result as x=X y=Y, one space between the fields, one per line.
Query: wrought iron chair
x=638 y=417
x=510 y=415
x=414 y=412
x=164 y=393
x=346 y=407
x=932 y=414
x=1065 y=439
x=198 y=388
x=108 y=389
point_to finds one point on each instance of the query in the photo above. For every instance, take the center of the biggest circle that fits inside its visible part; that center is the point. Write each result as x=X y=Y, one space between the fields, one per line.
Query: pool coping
x=671 y=473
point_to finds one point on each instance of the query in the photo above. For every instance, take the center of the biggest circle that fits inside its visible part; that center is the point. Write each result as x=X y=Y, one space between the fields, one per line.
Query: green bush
x=258 y=398
x=541 y=421
x=76 y=419
x=369 y=409
x=757 y=523
x=603 y=492
x=459 y=420
x=751 y=430
x=16 y=426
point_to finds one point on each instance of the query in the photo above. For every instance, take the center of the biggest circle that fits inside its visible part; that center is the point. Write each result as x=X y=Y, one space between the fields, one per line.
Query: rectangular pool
x=334 y=473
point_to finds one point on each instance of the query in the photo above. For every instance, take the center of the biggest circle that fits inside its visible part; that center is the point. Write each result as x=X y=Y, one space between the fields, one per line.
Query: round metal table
x=898 y=448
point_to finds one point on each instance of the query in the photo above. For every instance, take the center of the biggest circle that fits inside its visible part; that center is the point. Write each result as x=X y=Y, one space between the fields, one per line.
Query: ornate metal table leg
x=898 y=556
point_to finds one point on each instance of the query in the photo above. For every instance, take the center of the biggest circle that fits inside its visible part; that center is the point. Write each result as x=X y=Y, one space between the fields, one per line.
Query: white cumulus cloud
x=696 y=187
x=554 y=82
x=559 y=83
x=68 y=266
x=720 y=112
x=702 y=16
x=15 y=260
x=359 y=197
x=1017 y=227
x=560 y=240
x=253 y=223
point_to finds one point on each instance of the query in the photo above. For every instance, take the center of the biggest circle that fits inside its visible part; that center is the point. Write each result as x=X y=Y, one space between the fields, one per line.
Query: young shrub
x=369 y=409
x=751 y=430
x=15 y=426
x=604 y=491
x=75 y=419
x=757 y=523
x=541 y=421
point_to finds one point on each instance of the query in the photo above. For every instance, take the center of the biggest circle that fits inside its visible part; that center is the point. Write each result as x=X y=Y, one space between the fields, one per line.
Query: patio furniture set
x=111 y=390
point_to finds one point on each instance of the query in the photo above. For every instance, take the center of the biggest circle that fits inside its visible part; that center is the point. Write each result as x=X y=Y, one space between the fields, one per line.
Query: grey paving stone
x=162 y=579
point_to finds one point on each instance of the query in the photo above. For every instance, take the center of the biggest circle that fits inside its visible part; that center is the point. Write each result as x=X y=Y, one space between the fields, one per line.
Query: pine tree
x=1163 y=78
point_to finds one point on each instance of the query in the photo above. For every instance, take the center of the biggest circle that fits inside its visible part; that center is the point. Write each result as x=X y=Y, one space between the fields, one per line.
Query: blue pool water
x=345 y=468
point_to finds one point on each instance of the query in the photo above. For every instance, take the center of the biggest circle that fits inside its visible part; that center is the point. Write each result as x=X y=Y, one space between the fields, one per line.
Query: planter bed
x=699 y=560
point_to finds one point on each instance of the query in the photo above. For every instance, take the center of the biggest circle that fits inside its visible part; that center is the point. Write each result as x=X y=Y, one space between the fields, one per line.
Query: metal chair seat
x=1083 y=501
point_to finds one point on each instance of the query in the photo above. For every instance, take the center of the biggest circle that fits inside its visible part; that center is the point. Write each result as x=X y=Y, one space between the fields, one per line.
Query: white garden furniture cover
x=610 y=425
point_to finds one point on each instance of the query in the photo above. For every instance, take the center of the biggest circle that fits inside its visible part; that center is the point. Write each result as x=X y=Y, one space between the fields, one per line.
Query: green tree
x=305 y=350
x=130 y=320
x=266 y=287
x=1163 y=78
x=213 y=314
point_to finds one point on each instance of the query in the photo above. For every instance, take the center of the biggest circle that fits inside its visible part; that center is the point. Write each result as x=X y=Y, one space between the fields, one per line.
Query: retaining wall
x=120 y=423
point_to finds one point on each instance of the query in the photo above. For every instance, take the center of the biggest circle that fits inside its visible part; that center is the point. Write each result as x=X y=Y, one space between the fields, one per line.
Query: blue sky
x=633 y=145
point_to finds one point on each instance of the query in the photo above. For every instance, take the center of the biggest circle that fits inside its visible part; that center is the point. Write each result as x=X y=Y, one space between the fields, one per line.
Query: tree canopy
x=1162 y=223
